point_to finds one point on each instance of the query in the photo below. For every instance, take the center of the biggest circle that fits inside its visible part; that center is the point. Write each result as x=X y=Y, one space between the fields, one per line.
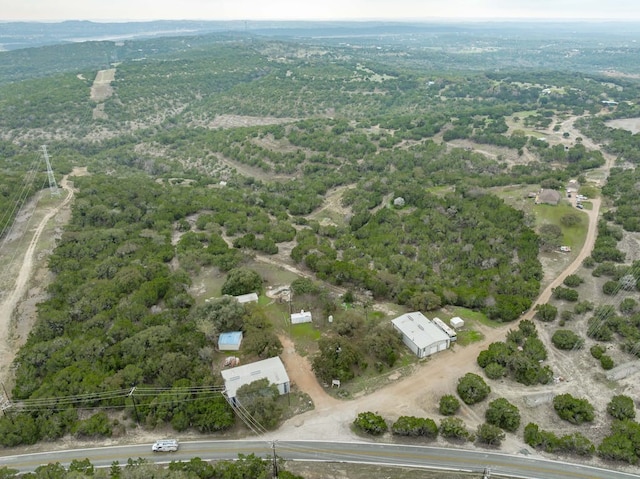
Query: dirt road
x=11 y=300
x=418 y=394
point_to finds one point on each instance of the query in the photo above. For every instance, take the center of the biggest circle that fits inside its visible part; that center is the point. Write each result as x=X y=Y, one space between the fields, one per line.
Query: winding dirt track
x=416 y=394
x=412 y=395
x=10 y=302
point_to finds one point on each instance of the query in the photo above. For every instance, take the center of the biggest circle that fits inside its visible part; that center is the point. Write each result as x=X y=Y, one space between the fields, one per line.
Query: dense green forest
x=172 y=189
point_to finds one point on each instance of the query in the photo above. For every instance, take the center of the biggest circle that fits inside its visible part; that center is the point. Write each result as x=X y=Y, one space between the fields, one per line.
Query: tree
x=610 y=288
x=573 y=410
x=495 y=371
x=570 y=219
x=573 y=281
x=96 y=425
x=621 y=407
x=550 y=237
x=566 y=339
x=546 y=312
x=337 y=358
x=490 y=434
x=472 y=388
x=415 y=427
x=567 y=294
x=242 y=281
x=623 y=442
x=260 y=399
x=219 y=316
x=628 y=306
x=503 y=414
x=449 y=405
x=606 y=362
x=454 y=428
x=371 y=423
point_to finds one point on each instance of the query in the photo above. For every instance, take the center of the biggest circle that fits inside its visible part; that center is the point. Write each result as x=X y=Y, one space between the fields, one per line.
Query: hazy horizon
x=328 y=10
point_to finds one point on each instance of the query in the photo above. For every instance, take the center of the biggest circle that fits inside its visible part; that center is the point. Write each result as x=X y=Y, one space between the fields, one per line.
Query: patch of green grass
x=573 y=236
x=305 y=332
x=469 y=336
x=272 y=274
x=470 y=315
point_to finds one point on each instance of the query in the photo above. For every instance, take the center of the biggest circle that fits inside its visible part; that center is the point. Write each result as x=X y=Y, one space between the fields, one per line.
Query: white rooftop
x=247 y=298
x=271 y=369
x=419 y=329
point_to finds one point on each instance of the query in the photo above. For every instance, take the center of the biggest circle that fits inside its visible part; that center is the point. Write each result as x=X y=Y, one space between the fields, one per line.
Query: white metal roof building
x=271 y=369
x=247 y=298
x=301 y=317
x=420 y=335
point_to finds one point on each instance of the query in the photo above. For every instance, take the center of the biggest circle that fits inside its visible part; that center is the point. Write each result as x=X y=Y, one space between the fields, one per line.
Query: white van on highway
x=165 y=445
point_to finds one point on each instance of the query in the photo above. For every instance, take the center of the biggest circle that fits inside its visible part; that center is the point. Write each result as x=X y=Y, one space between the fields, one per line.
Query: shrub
x=546 y=312
x=96 y=425
x=566 y=340
x=489 y=434
x=606 y=362
x=370 y=423
x=472 y=388
x=495 y=371
x=597 y=351
x=415 y=427
x=449 y=405
x=573 y=281
x=454 y=428
x=573 y=410
x=567 y=294
x=621 y=407
x=503 y=414
x=610 y=288
x=582 y=307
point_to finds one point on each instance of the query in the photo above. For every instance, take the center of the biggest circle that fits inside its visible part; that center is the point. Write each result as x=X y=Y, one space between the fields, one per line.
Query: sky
x=132 y=10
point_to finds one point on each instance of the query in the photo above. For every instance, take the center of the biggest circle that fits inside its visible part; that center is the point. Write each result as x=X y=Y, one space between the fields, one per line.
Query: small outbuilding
x=420 y=334
x=230 y=341
x=271 y=369
x=301 y=317
x=456 y=322
x=247 y=298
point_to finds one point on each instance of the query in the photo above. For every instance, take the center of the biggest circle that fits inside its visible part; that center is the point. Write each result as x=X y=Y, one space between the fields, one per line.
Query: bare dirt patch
x=101 y=88
x=629 y=124
x=235 y=121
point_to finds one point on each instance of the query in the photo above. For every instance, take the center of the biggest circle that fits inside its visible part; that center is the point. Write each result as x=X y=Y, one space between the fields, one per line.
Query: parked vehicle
x=165 y=445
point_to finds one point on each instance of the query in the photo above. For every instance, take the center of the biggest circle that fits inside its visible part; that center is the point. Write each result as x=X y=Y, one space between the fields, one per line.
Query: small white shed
x=230 y=341
x=456 y=322
x=301 y=317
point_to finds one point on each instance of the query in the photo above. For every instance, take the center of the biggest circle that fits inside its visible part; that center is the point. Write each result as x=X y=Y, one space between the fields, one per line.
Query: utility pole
x=135 y=409
x=53 y=186
x=275 y=460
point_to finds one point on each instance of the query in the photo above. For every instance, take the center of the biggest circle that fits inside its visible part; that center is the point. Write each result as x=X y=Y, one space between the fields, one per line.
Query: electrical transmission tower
x=5 y=402
x=53 y=186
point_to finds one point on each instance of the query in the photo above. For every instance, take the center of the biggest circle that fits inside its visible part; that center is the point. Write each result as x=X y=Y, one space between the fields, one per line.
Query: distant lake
x=629 y=124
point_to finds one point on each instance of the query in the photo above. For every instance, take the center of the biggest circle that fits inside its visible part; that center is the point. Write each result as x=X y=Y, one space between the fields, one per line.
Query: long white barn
x=421 y=335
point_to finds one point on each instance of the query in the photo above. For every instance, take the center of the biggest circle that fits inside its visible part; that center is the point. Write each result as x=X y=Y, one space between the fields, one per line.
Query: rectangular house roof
x=422 y=332
x=232 y=338
x=271 y=369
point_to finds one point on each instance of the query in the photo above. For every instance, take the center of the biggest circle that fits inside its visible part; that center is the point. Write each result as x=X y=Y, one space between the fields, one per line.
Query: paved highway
x=504 y=465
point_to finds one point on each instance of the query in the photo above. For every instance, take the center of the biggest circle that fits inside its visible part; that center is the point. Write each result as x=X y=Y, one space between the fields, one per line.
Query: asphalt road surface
x=504 y=465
